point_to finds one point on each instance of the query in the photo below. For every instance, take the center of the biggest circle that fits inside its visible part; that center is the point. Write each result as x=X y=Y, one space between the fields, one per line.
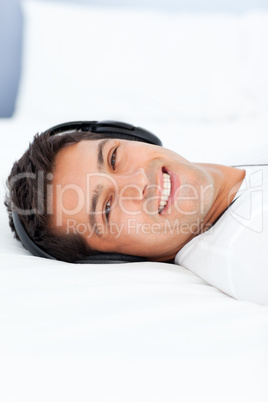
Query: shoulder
x=232 y=255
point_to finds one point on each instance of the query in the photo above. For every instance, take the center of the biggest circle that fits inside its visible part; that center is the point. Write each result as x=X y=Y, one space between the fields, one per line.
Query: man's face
x=129 y=197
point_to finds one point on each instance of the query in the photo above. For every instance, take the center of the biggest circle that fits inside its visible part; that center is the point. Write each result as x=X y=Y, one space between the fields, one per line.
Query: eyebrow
x=100 y=161
x=99 y=188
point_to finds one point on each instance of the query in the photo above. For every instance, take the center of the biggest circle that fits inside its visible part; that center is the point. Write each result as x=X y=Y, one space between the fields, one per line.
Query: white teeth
x=166 y=184
x=166 y=191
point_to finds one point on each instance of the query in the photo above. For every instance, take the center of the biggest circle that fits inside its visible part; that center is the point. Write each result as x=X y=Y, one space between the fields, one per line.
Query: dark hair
x=23 y=195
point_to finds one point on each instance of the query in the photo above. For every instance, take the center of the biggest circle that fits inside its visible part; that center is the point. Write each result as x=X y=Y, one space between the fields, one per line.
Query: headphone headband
x=109 y=127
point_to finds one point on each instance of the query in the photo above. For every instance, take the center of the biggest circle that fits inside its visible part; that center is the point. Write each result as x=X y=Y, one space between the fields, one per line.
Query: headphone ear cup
x=110 y=258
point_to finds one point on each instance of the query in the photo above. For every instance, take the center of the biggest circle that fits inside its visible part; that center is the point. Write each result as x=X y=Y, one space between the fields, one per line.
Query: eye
x=108 y=210
x=113 y=158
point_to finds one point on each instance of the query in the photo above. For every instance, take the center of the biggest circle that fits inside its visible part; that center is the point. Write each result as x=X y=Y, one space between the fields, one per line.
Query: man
x=83 y=196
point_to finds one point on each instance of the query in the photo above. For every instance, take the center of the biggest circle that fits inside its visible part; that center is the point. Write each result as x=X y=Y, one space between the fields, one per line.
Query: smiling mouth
x=165 y=192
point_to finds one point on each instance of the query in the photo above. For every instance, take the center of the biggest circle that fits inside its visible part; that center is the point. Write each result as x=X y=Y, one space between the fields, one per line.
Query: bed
x=140 y=331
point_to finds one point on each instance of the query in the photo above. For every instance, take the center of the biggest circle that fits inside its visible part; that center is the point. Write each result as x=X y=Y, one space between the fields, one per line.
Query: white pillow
x=131 y=64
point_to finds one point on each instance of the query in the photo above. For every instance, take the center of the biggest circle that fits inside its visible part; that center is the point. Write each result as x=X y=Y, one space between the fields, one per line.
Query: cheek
x=142 y=152
x=195 y=194
x=130 y=232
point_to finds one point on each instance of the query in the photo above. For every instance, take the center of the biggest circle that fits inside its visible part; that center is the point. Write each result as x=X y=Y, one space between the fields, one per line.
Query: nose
x=132 y=185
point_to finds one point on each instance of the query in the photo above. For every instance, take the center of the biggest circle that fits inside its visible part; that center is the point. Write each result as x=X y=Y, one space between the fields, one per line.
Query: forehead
x=72 y=160
x=72 y=163
x=88 y=156
x=76 y=150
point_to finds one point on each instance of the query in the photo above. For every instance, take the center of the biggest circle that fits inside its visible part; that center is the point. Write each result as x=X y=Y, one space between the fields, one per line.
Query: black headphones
x=113 y=129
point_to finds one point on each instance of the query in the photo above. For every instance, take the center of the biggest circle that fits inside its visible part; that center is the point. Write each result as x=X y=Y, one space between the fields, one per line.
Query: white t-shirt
x=233 y=254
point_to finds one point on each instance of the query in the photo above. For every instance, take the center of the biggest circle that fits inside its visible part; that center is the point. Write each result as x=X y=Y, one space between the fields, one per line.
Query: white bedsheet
x=143 y=331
